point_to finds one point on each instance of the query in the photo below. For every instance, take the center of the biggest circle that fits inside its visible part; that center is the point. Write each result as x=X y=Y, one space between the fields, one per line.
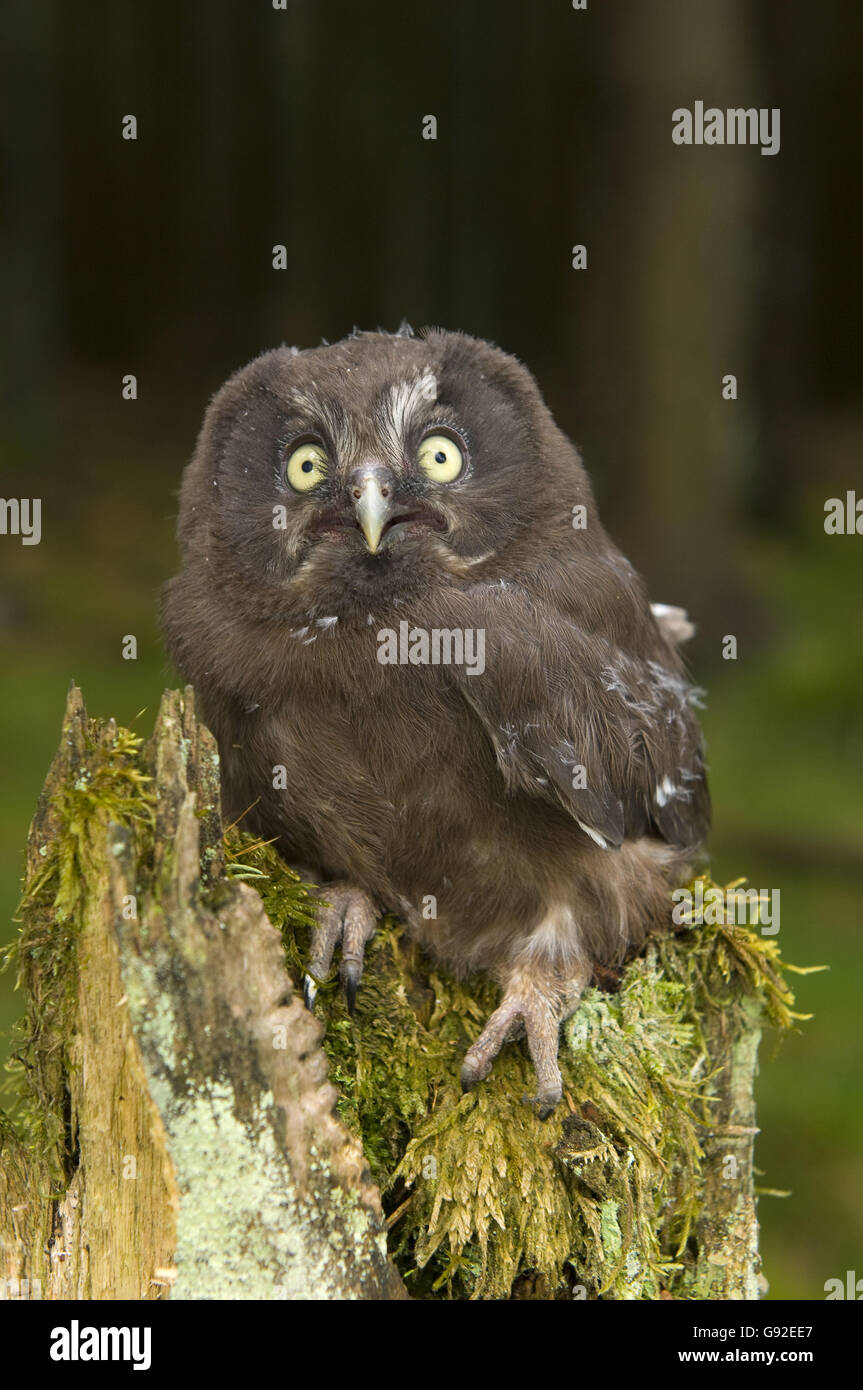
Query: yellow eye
x=307 y=465
x=440 y=458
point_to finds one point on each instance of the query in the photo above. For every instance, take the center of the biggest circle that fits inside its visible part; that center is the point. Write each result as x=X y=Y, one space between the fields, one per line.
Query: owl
x=432 y=676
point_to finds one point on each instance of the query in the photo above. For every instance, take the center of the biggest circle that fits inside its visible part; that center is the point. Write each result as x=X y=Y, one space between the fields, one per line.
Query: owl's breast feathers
x=604 y=730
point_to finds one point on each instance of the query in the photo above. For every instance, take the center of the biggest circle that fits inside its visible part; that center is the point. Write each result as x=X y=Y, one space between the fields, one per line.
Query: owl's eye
x=440 y=458
x=307 y=466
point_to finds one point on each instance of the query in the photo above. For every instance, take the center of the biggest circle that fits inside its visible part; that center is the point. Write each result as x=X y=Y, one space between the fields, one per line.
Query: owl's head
x=374 y=467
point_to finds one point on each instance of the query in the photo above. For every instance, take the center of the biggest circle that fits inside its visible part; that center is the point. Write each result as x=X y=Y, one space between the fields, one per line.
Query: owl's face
x=378 y=466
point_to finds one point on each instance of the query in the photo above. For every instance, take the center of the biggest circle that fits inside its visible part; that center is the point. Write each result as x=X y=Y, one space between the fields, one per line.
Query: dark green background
x=304 y=127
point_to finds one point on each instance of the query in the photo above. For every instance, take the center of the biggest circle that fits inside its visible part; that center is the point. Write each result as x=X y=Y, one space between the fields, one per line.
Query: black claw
x=350 y=974
x=545 y=1103
x=471 y=1076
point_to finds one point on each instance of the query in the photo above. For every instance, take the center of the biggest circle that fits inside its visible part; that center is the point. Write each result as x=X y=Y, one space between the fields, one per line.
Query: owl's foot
x=525 y=1009
x=350 y=917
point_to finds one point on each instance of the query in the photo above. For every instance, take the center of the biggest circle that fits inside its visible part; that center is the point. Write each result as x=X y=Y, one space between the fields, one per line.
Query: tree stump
x=183 y=1135
x=175 y=1132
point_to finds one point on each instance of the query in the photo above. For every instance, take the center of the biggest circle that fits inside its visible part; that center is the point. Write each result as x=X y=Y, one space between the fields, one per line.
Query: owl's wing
x=609 y=736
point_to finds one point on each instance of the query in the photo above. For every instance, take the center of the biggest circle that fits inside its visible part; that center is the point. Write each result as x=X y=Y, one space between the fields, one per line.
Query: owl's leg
x=350 y=917
x=533 y=1003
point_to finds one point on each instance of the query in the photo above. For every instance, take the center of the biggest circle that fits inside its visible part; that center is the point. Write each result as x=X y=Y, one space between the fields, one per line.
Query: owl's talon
x=310 y=991
x=530 y=1011
x=472 y=1074
x=349 y=917
x=547 y=1101
x=350 y=975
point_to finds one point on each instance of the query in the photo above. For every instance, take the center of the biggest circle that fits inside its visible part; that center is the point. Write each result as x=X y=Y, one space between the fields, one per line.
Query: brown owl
x=431 y=674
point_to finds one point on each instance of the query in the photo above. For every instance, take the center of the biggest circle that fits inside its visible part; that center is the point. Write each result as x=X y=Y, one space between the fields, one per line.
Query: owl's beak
x=371 y=491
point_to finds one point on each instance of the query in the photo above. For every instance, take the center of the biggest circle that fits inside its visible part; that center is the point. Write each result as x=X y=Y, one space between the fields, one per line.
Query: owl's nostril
x=385 y=492
x=357 y=493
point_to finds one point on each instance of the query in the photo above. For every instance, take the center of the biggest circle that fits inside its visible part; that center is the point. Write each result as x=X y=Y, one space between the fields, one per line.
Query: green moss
x=108 y=781
x=481 y=1194
x=290 y=904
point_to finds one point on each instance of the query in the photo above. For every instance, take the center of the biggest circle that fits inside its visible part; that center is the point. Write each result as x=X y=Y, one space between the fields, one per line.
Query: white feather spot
x=665 y=791
x=674 y=623
x=594 y=835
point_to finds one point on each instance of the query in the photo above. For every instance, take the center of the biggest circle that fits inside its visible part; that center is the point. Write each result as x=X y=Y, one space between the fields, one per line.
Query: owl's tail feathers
x=674 y=623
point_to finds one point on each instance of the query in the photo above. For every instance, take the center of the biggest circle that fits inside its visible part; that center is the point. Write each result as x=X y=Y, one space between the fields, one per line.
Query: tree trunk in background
x=31 y=244
x=666 y=311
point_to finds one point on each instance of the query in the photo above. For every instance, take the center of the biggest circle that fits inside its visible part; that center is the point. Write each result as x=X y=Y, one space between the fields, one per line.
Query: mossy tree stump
x=182 y=1134
x=175 y=1132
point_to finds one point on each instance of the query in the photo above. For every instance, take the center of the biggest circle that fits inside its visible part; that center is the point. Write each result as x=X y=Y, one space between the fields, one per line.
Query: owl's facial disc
x=373 y=506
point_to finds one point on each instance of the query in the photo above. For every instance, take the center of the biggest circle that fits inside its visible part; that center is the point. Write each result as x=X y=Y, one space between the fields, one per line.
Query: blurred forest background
x=258 y=126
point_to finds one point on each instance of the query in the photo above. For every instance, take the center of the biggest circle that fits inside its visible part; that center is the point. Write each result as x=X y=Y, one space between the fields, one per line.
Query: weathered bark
x=729 y=1264
x=184 y=1094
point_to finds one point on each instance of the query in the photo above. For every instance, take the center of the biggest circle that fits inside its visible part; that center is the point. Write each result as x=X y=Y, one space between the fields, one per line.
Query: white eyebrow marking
x=402 y=402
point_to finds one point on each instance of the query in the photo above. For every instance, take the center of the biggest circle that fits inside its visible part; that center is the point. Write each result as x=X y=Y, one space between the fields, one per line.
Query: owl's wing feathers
x=609 y=736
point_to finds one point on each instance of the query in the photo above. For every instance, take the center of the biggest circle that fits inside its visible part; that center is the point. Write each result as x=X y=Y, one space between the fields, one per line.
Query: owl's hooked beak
x=371 y=491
